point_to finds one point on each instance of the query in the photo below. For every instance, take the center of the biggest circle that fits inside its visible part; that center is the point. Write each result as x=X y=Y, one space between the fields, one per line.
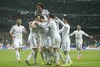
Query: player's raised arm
x=61 y=22
x=32 y=25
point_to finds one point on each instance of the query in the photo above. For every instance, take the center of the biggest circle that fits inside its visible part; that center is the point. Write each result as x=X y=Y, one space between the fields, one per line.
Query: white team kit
x=44 y=35
x=32 y=39
x=78 y=37
x=18 y=33
x=65 y=37
x=54 y=33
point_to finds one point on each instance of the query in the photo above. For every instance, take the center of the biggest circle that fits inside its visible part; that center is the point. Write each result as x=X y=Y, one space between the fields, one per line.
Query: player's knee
x=78 y=48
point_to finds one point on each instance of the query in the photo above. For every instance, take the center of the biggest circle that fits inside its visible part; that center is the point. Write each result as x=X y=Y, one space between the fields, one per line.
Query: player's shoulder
x=45 y=10
x=81 y=30
x=68 y=25
x=22 y=26
x=76 y=31
x=14 y=26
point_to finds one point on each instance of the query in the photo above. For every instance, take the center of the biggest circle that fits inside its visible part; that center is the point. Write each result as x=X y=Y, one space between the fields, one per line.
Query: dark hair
x=36 y=16
x=65 y=17
x=41 y=17
x=40 y=4
x=51 y=15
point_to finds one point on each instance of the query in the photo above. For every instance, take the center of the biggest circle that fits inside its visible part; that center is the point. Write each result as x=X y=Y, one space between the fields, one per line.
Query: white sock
x=79 y=53
x=35 y=56
x=61 y=56
x=16 y=54
x=52 y=54
x=56 y=57
x=67 y=58
x=46 y=55
x=30 y=55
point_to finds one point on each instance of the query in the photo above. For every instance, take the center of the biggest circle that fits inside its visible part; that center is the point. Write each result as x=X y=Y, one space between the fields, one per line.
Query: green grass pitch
x=90 y=58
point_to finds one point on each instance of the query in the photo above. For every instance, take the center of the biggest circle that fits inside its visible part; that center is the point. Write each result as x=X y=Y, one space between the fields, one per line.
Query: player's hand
x=36 y=23
x=56 y=18
x=13 y=36
x=30 y=23
x=91 y=37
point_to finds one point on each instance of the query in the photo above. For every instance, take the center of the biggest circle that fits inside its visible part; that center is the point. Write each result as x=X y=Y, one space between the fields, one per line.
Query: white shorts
x=47 y=43
x=56 y=42
x=79 y=45
x=66 y=45
x=17 y=43
x=33 y=42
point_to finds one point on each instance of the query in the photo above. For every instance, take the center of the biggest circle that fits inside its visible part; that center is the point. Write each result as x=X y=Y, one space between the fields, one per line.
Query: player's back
x=53 y=29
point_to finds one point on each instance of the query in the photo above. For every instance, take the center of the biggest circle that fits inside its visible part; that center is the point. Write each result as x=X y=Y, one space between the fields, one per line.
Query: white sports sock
x=30 y=55
x=61 y=56
x=79 y=53
x=52 y=54
x=35 y=56
x=16 y=54
x=67 y=58
x=56 y=57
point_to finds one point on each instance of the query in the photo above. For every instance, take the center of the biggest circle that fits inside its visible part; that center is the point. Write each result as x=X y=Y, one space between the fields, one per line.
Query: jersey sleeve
x=24 y=30
x=35 y=13
x=85 y=33
x=47 y=12
x=12 y=29
x=72 y=33
x=43 y=26
x=61 y=30
x=62 y=23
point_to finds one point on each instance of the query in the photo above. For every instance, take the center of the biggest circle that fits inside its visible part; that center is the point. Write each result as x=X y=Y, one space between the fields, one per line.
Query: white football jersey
x=78 y=34
x=65 y=30
x=17 y=31
x=53 y=29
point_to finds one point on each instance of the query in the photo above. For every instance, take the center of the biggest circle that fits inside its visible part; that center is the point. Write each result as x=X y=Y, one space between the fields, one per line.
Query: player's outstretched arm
x=73 y=33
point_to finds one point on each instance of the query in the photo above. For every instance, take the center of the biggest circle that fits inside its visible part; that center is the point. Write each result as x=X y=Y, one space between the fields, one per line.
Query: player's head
x=78 y=27
x=41 y=18
x=64 y=19
x=50 y=16
x=37 y=18
x=18 y=21
x=40 y=6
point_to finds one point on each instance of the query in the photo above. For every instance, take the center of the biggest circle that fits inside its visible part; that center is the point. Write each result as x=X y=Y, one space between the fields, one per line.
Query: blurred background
x=83 y=12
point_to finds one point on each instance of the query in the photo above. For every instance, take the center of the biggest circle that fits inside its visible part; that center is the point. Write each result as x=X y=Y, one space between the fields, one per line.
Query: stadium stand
x=83 y=12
